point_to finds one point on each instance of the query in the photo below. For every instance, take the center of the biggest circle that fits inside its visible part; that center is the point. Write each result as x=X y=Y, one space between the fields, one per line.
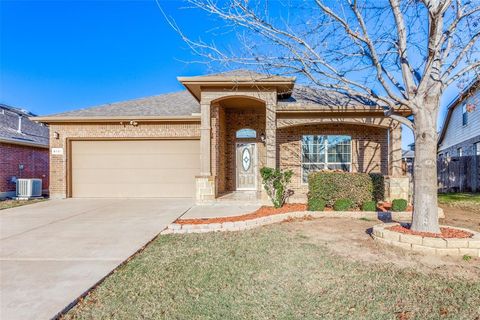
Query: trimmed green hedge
x=316 y=204
x=331 y=186
x=378 y=182
x=343 y=205
x=369 y=206
x=399 y=205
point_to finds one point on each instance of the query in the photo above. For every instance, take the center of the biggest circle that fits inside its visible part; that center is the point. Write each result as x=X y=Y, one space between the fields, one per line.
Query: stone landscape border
x=275 y=218
x=428 y=245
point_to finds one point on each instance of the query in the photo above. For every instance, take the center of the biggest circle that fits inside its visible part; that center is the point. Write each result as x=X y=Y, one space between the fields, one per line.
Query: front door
x=246 y=168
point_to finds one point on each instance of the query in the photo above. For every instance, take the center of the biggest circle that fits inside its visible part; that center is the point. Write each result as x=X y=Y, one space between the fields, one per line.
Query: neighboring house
x=408 y=157
x=460 y=135
x=23 y=149
x=213 y=138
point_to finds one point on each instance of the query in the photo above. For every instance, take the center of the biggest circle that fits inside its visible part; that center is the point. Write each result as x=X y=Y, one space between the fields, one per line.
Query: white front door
x=246 y=168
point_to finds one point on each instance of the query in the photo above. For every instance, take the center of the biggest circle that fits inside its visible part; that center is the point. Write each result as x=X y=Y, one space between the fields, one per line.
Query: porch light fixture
x=56 y=135
x=262 y=137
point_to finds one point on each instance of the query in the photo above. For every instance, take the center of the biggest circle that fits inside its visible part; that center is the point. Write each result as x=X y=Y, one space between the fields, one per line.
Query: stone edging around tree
x=428 y=245
x=253 y=223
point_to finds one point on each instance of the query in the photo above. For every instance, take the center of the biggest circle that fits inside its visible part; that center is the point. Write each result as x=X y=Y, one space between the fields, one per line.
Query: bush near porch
x=331 y=186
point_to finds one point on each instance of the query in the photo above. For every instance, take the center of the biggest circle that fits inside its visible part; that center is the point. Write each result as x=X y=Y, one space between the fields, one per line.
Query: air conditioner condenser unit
x=29 y=188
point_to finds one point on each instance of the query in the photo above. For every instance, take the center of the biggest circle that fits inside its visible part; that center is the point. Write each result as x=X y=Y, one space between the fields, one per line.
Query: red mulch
x=387 y=206
x=260 y=212
x=445 y=232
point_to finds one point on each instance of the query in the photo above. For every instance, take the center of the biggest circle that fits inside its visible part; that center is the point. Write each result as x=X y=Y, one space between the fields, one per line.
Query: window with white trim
x=477 y=148
x=325 y=152
x=464 y=115
x=460 y=152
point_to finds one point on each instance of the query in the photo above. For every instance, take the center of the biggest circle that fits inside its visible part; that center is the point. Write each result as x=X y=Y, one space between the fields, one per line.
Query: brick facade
x=369 y=149
x=58 y=163
x=34 y=161
x=224 y=142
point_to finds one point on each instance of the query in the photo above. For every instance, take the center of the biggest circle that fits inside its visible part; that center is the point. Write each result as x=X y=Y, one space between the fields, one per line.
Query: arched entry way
x=239 y=150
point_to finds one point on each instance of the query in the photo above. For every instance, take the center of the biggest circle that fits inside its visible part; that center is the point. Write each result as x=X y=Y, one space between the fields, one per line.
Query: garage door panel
x=135 y=176
x=131 y=161
x=153 y=190
x=136 y=146
x=134 y=168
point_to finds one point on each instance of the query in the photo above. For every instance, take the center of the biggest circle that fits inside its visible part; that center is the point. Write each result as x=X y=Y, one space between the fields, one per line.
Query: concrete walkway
x=52 y=252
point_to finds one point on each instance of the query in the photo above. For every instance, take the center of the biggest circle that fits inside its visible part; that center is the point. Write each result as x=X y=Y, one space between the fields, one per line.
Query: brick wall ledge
x=254 y=223
x=428 y=245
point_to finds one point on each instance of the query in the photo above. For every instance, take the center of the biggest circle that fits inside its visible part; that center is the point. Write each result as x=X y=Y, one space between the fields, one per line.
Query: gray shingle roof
x=308 y=96
x=30 y=131
x=182 y=103
x=242 y=74
x=179 y=103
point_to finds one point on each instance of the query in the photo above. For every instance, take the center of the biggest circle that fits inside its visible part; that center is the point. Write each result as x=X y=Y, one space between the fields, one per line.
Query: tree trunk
x=425 y=215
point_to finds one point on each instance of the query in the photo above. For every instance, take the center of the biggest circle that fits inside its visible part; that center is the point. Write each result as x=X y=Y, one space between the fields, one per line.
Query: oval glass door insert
x=246 y=159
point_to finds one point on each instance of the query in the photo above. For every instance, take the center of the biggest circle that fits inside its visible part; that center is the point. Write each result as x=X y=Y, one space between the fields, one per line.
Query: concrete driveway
x=52 y=252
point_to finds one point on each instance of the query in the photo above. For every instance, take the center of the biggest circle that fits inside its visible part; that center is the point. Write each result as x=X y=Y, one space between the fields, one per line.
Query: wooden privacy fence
x=459 y=174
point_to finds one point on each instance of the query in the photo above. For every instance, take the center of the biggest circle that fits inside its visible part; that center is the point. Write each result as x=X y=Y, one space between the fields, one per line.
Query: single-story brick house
x=212 y=139
x=23 y=149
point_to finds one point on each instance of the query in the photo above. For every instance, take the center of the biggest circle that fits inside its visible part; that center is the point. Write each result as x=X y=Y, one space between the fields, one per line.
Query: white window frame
x=326 y=163
x=460 y=152
x=476 y=146
x=464 y=115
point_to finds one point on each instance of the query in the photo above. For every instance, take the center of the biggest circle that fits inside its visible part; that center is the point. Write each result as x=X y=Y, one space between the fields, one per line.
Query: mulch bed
x=263 y=211
x=445 y=232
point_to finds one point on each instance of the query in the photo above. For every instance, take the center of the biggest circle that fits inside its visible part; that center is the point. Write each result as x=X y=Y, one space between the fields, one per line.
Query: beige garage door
x=134 y=168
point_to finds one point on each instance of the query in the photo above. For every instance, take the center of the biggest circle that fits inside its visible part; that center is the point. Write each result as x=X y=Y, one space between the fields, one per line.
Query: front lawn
x=284 y=271
x=468 y=201
x=7 y=204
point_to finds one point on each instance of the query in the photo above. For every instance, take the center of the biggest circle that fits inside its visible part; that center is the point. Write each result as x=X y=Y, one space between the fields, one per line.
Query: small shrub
x=399 y=205
x=275 y=182
x=466 y=257
x=332 y=186
x=315 y=204
x=343 y=205
x=369 y=206
x=378 y=182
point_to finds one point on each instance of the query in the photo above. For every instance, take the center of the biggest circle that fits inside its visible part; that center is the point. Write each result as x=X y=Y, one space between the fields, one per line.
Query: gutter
x=103 y=119
x=24 y=143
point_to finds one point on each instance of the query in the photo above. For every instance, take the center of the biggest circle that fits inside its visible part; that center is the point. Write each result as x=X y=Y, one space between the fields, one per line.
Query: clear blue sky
x=62 y=55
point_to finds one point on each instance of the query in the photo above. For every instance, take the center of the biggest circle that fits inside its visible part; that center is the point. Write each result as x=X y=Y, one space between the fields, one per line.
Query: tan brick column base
x=204 y=188
x=397 y=188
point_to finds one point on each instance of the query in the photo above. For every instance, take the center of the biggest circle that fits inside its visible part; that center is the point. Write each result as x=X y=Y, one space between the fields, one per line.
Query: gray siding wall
x=468 y=148
x=458 y=135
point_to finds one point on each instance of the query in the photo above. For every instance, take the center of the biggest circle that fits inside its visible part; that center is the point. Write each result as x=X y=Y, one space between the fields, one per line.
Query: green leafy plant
x=466 y=257
x=342 y=205
x=378 y=182
x=399 y=205
x=369 y=206
x=315 y=204
x=275 y=182
x=331 y=186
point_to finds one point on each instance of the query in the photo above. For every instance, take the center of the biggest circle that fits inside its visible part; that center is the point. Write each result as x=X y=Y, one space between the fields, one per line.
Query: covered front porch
x=249 y=123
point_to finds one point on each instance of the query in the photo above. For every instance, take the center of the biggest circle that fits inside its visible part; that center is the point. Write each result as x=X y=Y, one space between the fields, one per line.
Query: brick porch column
x=395 y=150
x=205 y=131
x=397 y=185
x=271 y=134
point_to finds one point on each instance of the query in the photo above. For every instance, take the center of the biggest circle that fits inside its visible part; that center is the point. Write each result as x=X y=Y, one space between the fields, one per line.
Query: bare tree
x=399 y=54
